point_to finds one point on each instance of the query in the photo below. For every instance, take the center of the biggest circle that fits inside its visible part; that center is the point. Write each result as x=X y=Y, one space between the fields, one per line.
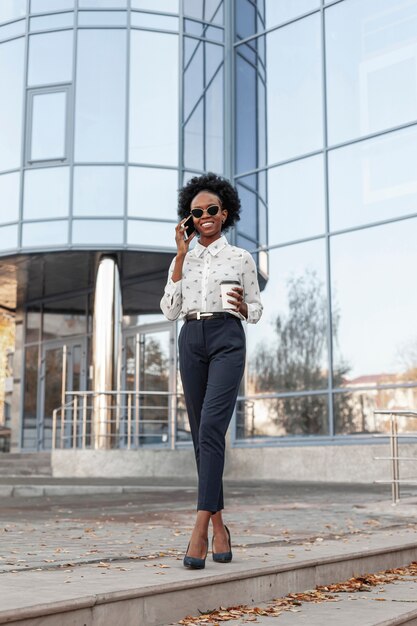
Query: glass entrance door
x=62 y=369
x=149 y=369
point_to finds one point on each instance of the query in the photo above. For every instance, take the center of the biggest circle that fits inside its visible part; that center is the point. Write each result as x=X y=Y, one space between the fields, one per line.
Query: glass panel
x=296 y=211
x=152 y=192
x=102 y=18
x=276 y=12
x=194 y=28
x=99 y=190
x=193 y=8
x=50 y=58
x=154 y=376
x=245 y=19
x=193 y=81
x=46 y=193
x=43 y=6
x=246 y=115
x=294 y=79
x=102 y=4
x=154 y=99
x=288 y=350
x=374 y=303
x=168 y=6
x=10 y=197
x=371 y=57
x=214 y=124
x=12 y=30
x=145 y=233
x=58 y=20
x=190 y=46
x=8 y=237
x=248 y=224
x=100 y=96
x=30 y=398
x=147 y=20
x=373 y=180
x=52 y=381
x=130 y=363
x=12 y=9
x=105 y=232
x=354 y=412
x=63 y=318
x=33 y=326
x=278 y=417
x=76 y=368
x=213 y=11
x=48 y=126
x=194 y=140
x=214 y=33
x=213 y=59
x=38 y=234
x=11 y=102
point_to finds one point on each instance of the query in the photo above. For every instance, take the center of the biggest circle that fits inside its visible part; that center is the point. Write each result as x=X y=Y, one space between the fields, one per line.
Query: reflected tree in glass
x=294 y=361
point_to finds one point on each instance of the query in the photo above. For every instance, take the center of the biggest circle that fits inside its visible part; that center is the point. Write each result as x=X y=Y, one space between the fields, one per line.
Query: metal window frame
x=65 y=158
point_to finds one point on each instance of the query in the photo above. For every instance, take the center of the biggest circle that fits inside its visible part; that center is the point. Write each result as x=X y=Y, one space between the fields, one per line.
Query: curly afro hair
x=221 y=187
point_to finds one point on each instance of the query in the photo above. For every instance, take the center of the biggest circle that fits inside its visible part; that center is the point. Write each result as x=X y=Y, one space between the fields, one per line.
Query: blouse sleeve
x=251 y=288
x=171 y=301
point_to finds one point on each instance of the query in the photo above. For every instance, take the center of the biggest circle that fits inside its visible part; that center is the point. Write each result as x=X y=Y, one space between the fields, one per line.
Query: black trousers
x=212 y=360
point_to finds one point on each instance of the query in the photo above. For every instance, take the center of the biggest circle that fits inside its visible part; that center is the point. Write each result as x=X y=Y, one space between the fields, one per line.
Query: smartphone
x=189 y=227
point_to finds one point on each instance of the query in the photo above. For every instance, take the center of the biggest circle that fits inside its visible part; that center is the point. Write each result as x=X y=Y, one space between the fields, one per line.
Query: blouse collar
x=214 y=248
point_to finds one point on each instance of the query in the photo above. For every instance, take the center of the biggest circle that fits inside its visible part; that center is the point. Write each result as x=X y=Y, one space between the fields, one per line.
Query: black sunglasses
x=211 y=210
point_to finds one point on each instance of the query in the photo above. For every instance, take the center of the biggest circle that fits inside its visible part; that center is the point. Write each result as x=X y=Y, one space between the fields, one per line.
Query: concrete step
x=394 y=604
x=25 y=464
x=157 y=592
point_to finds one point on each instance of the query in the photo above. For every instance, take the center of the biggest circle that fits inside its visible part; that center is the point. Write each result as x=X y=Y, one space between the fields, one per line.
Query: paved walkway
x=154 y=521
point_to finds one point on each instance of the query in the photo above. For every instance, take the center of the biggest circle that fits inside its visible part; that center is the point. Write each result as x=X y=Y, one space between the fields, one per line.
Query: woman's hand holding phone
x=182 y=243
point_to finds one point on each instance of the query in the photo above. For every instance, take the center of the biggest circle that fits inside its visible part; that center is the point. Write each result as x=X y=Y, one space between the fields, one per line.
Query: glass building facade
x=309 y=106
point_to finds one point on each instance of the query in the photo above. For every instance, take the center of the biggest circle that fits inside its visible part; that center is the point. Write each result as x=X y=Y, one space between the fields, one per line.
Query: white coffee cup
x=225 y=287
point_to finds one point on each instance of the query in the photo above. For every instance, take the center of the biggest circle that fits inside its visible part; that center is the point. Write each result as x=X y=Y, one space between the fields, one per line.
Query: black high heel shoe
x=222 y=557
x=193 y=562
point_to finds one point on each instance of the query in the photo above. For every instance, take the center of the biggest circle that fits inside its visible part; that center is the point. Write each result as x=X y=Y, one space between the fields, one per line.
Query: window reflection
x=193 y=81
x=153 y=124
x=245 y=19
x=48 y=234
x=294 y=94
x=354 y=412
x=50 y=58
x=58 y=20
x=12 y=9
x=296 y=210
x=98 y=190
x=46 y=193
x=48 y=126
x=287 y=350
x=152 y=192
x=104 y=232
x=145 y=233
x=169 y=6
x=276 y=12
x=42 y=6
x=8 y=237
x=375 y=308
x=214 y=124
x=246 y=118
x=64 y=318
x=10 y=196
x=11 y=102
x=373 y=180
x=371 y=66
x=33 y=325
x=12 y=30
x=147 y=20
x=102 y=18
x=100 y=106
x=194 y=139
x=279 y=417
x=208 y=11
x=30 y=395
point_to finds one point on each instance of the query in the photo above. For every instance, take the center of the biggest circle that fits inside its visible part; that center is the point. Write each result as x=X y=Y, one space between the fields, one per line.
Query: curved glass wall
x=335 y=162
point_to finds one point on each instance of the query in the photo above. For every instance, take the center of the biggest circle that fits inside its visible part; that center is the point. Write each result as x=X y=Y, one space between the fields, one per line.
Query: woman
x=211 y=342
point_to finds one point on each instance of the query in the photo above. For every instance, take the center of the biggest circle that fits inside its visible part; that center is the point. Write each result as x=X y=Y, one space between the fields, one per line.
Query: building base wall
x=344 y=464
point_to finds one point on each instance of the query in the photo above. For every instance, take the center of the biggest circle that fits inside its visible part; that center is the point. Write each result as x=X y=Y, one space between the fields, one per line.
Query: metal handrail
x=395 y=459
x=74 y=421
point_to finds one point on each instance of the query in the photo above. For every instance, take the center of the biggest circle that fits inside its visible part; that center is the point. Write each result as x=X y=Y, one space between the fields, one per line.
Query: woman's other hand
x=240 y=305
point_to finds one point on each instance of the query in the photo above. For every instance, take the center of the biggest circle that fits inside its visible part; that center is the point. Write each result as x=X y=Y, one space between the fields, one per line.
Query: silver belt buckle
x=198 y=315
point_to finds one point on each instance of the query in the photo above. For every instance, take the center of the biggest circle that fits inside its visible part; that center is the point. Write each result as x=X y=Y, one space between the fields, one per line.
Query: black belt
x=208 y=316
